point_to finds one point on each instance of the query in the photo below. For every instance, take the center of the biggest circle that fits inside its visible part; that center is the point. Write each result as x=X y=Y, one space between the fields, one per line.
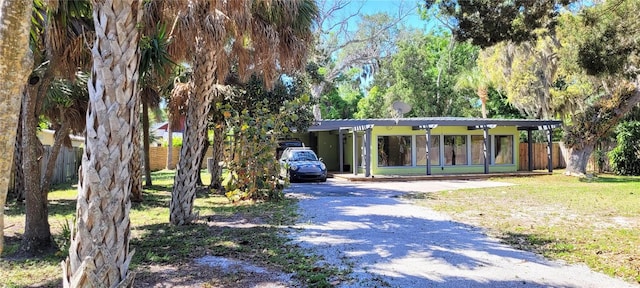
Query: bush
x=625 y=158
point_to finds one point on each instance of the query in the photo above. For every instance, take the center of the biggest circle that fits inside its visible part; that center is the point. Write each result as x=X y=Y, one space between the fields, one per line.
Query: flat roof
x=521 y=124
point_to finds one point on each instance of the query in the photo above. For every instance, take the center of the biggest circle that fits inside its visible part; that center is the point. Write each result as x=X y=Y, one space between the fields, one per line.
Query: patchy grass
x=594 y=221
x=254 y=232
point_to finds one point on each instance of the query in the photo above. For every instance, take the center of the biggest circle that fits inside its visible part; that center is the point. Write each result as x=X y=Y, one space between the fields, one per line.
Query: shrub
x=625 y=158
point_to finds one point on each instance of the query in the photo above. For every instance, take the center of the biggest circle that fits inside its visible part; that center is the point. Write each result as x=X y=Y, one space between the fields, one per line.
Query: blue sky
x=391 y=7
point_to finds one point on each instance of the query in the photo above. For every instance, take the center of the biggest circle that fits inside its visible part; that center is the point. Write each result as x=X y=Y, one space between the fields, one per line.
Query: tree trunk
x=218 y=156
x=316 y=94
x=203 y=155
x=37 y=232
x=58 y=138
x=578 y=159
x=170 y=146
x=136 y=171
x=145 y=142
x=18 y=178
x=589 y=126
x=184 y=188
x=15 y=64
x=99 y=253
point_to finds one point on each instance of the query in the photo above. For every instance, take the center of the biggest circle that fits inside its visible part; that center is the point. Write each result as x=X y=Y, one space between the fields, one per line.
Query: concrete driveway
x=385 y=241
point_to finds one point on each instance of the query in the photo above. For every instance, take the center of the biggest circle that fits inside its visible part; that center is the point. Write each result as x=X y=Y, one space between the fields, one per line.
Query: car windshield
x=303 y=156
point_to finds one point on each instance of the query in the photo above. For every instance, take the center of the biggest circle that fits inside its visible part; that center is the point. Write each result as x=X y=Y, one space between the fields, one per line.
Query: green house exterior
x=399 y=146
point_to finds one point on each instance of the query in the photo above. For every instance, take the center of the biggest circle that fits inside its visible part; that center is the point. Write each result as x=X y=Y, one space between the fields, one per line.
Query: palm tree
x=15 y=65
x=253 y=35
x=155 y=70
x=474 y=79
x=99 y=253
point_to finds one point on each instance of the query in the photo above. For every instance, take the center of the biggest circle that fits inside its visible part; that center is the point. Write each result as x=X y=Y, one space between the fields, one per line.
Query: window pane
x=504 y=149
x=394 y=150
x=477 y=149
x=434 y=151
x=455 y=150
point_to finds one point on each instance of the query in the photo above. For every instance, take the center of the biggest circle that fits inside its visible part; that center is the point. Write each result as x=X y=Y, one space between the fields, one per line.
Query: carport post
x=341 y=150
x=530 y=149
x=428 y=135
x=354 y=165
x=485 y=149
x=550 y=147
x=367 y=149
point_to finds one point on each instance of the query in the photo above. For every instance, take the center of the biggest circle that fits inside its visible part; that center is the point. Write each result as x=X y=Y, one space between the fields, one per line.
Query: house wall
x=327 y=148
x=442 y=168
x=46 y=137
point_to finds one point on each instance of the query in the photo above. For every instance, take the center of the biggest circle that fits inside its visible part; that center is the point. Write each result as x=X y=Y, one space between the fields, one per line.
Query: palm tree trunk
x=145 y=142
x=184 y=188
x=136 y=171
x=15 y=64
x=99 y=253
x=483 y=94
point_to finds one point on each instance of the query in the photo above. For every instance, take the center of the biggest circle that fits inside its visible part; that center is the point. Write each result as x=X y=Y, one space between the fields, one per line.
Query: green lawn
x=158 y=243
x=594 y=221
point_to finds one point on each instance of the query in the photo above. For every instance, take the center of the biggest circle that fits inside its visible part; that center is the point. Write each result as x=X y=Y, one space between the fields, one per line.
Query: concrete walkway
x=388 y=242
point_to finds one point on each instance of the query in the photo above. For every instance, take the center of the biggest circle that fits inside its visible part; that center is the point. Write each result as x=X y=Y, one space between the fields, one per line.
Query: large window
x=394 y=150
x=477 y=149
x=455 y=150
x=434 y=150
x=504 y=149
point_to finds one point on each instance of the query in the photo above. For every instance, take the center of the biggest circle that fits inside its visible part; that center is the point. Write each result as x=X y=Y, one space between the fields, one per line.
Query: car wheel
x=323 y=179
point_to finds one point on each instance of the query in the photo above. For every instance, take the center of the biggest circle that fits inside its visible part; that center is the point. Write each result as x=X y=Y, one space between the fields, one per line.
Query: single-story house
x=161 y=130
x=423 y=146
x=46 y=137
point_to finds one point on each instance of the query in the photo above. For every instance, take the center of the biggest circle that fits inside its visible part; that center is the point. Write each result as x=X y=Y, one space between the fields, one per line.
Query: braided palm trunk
x=15 y=65
x=99 y=253
x=185 y=182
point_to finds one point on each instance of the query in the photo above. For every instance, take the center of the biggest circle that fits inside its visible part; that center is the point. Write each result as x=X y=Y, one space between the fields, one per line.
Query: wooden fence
x=66 y=169
x=539 y=152
x=158 y=157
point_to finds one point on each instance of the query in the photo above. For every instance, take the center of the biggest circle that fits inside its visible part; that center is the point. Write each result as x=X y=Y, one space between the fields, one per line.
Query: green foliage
x=499 y=20
x=63 y=240
x=66 y=101
x=340 y=102
x=423 y=73
x=600 y=118
x=612 y=41
x=625 y=157
x=373 y=106
x=257 y=120
x=177 y=141
x=155 y=61
x=498 y=106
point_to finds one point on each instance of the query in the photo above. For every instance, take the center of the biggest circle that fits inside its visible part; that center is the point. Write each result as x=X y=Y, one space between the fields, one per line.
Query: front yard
x=251 y=233
x=593 y=221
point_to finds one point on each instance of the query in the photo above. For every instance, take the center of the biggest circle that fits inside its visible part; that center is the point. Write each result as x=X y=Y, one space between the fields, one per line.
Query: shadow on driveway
x=386 y=241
